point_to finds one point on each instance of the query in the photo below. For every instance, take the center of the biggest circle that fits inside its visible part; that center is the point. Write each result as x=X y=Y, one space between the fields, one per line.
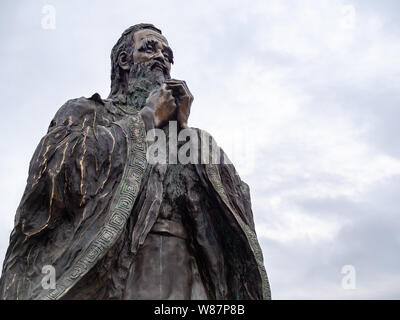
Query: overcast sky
x=302 y=95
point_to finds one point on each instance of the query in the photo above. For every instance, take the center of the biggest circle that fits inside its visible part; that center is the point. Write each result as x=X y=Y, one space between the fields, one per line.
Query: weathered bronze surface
x=115 y=226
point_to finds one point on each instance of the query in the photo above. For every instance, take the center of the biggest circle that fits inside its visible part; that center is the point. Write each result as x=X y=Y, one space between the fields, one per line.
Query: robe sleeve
x=73 y=174
x=242 y=252
x=71 y=164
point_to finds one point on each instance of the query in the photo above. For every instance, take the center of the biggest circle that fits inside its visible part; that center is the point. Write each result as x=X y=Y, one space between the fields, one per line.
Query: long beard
x=142 y=80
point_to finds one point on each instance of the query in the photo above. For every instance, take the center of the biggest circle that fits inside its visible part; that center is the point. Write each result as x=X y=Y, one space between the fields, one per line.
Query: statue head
x=141 y=51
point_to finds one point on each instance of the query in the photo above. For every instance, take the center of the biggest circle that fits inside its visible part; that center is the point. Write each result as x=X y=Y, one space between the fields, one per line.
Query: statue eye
x=165 y=54
x=149 y=49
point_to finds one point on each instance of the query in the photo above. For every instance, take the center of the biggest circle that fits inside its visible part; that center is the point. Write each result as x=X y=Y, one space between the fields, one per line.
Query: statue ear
x=123 y=61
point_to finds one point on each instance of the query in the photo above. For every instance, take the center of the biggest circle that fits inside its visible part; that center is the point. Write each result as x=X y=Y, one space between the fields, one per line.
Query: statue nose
x=161 y=61
x=159 y=57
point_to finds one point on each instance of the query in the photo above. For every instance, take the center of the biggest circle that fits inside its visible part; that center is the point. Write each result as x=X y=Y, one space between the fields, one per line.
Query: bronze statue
x=115 y=225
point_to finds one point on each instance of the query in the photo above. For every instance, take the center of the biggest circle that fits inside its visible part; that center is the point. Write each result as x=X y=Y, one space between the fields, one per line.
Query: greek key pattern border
x=215 y=178
x=118 y=213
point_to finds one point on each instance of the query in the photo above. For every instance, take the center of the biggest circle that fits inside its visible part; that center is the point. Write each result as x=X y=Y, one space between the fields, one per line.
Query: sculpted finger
x=181 y=88
x=174 y=82
x=186 y=87
x=172 y=106
x=182 y=118
x=175 y=87
x=187 y=91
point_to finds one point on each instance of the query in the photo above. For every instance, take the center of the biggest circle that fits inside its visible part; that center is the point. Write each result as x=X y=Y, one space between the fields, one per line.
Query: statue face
x=152 y=48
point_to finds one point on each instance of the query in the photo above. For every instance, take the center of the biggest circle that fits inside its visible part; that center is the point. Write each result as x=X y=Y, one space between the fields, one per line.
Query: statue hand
x=183 y=99
x=160 y=107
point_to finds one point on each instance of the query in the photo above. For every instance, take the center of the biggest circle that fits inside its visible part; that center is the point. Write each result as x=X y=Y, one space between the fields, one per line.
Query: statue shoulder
x=207 y=139
x=203 y=134
x=76 y=110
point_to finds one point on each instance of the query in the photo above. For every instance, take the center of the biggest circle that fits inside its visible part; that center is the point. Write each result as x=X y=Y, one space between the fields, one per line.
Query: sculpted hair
x=125 y=43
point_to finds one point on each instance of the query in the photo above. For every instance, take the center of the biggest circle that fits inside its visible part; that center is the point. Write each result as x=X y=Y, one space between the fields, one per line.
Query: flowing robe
x=92 y=198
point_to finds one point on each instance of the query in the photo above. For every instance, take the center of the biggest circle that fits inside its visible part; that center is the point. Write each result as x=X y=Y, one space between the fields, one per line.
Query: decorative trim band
x=215 y=178
x=118 y=212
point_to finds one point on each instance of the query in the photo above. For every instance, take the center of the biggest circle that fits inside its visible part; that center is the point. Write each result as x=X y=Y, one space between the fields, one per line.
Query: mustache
x=160 y=65
x=145 y=67
x=141 y=72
